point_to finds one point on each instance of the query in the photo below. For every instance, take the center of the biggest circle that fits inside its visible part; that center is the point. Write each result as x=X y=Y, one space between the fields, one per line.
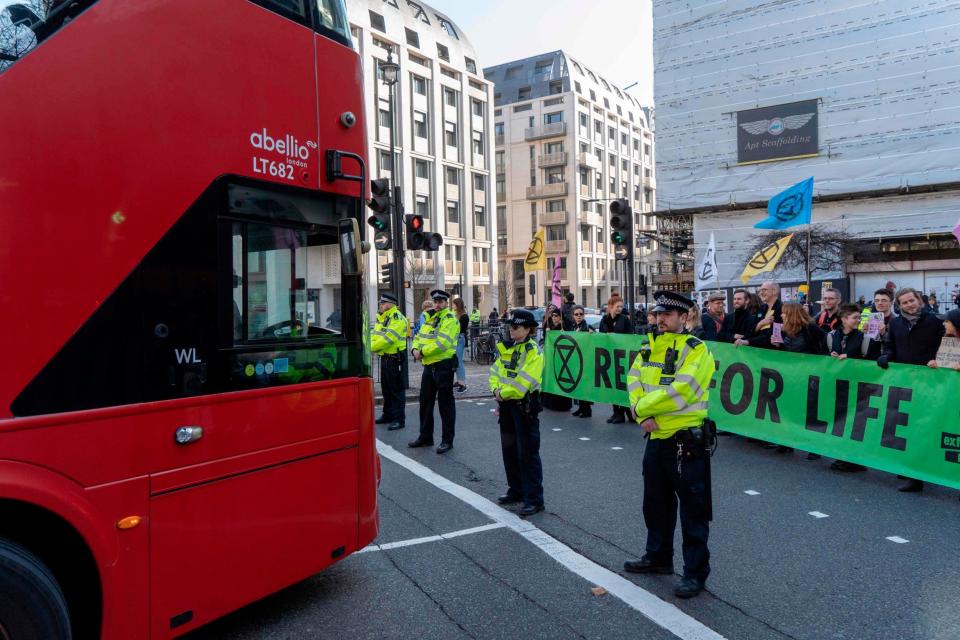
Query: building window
x=471 y=65
x=384 y=117
x=584 y=123
x=598 y=127
x=606 y=103
x=612 y=135
x=523 y=93
x=556 y=87
x=477 y=143
x=553 y=147
x=420 y=124
x=593 y=95
x=552 y=118
x=450 y=97
x=451 y=134
x=477 y=108
x=555 y=206
x=453 y=177
x=443 y=53
x=625 y=166
x=423 y=207
x=522 y=107
x=453 y=212
x=501 y=219
x=556 y=232
x=501 y=185
x=413 y=38
x=419 y=86
x=576 y=86
x=421 y=169
x=613 y=160
x=499 y=160
x=554 y=175
x=479 y=216
x=479 y=182
x=377 y=22
x=384 y=159
x=533 y=217
x=418 y=12
x=498 y=129
x=446 y=26
x=613 y=185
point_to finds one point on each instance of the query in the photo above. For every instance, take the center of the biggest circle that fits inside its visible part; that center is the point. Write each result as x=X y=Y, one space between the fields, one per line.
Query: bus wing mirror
x=350 y=247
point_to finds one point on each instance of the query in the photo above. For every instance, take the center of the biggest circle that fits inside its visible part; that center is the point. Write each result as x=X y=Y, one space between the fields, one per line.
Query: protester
x=862 y=302
x=830 y=301
x=882 y=303
x=494 y=318
x=739 y=324
x=566 y=311
x=694 y=324
x=951 y=328
x=425 y=307
x=515 y=382
x=848 y=342
x=460 y=310
x=800 y=333
x=614 y=321
x=714 y=316
x=584 y=408
x=912 y=338
x=553 y=321
x=771 y=313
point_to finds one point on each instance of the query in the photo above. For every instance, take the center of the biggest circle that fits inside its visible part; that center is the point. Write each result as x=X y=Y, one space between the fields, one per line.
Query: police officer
x=389 y=341
x=669 y=387
x=515 y=382
x=435 y=345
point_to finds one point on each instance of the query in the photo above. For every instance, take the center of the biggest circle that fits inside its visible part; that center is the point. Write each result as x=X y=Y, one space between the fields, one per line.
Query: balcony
x=555 y=190
x=585 y=190
x=591 y=218
x=551 y=130
x=553 y=217
x=552 y=159
x=649 y=182
x=557 y=246
x=498 y=140
x=588 y=160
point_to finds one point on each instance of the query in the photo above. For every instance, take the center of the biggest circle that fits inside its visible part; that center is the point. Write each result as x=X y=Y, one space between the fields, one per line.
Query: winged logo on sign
x=776 y=126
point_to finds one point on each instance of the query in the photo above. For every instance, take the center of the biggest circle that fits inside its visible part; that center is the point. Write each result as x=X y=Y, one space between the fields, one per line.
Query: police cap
x=439 y=294
x=521 y=318
x=671 y=301
x=388 y=297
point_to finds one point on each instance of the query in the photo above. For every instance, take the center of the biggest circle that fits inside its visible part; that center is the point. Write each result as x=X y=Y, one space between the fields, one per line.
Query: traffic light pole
x=399 y=262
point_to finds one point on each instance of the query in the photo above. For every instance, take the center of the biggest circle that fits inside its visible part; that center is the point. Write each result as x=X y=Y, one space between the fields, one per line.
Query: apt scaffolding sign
x=778 y=132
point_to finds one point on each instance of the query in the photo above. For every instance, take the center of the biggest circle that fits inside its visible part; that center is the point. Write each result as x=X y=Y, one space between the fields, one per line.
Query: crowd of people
x=902 y=327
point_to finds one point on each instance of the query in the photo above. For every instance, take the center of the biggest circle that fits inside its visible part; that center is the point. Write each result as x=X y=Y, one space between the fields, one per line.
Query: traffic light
x=382 y=208
x=417 y=240
x=621 y=227
x=386 y=276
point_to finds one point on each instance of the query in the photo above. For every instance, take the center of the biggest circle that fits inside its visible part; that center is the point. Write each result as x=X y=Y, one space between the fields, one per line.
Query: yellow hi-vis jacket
x=437 y=338
x=389 y=333
x=517 y=371
x=677 y=401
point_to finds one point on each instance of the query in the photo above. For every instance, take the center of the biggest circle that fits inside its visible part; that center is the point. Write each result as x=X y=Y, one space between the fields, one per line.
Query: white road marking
x=897 y=539
x=751 y=492
x=493 y=410
x=480 y=404
x=584 y=438
x=617 y=448
x=443 y=536
x=818 y=514
x=661 y=613
x=557 y=429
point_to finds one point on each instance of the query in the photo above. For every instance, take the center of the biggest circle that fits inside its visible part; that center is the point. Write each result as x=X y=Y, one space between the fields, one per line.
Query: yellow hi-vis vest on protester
x=517 y=371
x=437 y=338
x=389 y=333
x=676 y=400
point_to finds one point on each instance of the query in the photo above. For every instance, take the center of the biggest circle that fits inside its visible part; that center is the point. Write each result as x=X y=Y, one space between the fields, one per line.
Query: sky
x=613 y=37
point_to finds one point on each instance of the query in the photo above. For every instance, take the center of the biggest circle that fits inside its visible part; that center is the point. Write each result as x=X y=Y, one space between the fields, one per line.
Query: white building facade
x=753 y=97
x=567 y=142
x=444 y=150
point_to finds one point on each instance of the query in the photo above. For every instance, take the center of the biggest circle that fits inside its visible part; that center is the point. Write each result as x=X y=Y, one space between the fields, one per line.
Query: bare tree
x=506 y=292
x=829 y=249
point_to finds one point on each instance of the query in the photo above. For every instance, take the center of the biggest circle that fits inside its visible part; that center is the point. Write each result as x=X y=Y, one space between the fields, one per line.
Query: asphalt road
x=778 y=571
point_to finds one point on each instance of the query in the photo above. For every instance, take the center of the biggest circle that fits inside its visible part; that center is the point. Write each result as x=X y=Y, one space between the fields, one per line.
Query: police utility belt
x=394 y=356
x=528 y=404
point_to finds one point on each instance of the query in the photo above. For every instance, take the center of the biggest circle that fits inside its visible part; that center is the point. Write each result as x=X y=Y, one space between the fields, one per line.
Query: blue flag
x=790 y=207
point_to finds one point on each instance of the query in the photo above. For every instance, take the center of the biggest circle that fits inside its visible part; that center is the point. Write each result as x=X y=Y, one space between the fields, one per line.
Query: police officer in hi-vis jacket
x=669 y=386
x=515 y=382
x=435 y=346
x=389 y=341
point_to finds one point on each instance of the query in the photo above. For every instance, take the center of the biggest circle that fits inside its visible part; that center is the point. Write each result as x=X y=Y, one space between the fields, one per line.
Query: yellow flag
x=536 y=259
x=766 y=259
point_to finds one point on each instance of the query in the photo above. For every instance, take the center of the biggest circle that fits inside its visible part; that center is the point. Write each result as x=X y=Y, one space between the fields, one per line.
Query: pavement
x=477 y=385
x=798 y=551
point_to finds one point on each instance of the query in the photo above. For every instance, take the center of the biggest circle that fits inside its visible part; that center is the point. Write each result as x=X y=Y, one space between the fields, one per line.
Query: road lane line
x=658 y=611
x=751 y=492
x=584 y=438
x=443 y=536
x=897 y=539
x=557 y=429
x=818 y=514
x=617 y=448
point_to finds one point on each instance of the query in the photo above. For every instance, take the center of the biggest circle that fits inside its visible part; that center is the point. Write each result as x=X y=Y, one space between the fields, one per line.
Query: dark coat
x=620 y=324
x=828 y=322
x=710 y=329
x=762 y=338
x=741 y=322
x=810 y=340
x=582 y=326
x=566 y=315
x=916 y=344
x=856 y=345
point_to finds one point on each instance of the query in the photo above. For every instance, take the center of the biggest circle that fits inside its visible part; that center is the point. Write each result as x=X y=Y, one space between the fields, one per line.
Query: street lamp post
x=390 y=73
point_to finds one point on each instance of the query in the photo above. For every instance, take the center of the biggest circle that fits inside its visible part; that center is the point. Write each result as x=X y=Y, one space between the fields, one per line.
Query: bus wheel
x=32 y=606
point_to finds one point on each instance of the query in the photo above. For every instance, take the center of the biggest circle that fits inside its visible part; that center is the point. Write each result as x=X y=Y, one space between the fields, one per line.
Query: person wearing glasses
x=584 y=408
x=553 y=321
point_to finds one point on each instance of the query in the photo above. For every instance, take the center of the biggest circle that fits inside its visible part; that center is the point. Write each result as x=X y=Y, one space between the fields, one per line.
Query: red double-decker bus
x=186 y=401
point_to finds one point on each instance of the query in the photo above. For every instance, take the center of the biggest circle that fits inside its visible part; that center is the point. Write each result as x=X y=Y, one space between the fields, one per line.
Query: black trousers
x=391 y=382
x=436 y=387
x=520 y=444
x=663 y=488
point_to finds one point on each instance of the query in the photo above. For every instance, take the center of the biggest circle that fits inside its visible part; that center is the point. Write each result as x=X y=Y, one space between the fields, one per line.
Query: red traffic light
x=415 y=223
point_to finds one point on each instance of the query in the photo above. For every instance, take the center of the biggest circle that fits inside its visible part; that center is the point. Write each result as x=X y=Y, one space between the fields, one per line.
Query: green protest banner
x=901 y=420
